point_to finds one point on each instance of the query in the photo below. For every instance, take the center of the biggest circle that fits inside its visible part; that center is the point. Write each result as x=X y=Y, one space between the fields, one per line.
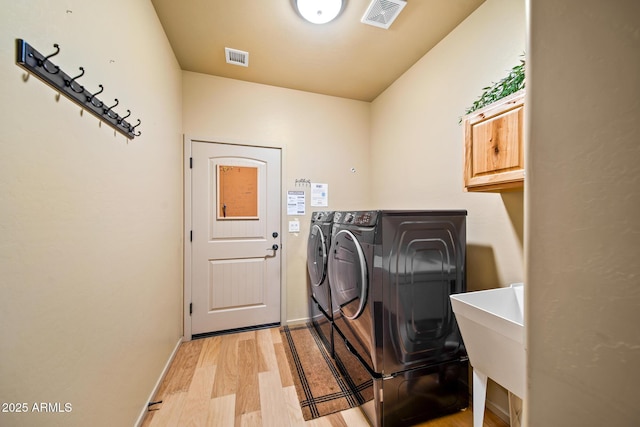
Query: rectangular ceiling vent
x=236 y=57
x=382 y=13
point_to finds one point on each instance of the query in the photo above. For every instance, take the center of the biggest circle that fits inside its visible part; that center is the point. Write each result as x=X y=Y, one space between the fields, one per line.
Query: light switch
x=294 y=226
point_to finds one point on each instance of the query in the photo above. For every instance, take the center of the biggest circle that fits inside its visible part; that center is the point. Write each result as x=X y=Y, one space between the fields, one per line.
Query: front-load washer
x=318 y=246
x=391 y=274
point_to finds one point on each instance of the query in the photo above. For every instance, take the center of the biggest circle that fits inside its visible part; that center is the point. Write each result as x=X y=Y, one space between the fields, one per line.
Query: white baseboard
x=501 y=412
x=296 y=321
x=145 y=408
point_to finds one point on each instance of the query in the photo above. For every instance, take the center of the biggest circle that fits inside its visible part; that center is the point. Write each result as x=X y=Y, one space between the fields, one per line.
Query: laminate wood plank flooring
x=243 y=379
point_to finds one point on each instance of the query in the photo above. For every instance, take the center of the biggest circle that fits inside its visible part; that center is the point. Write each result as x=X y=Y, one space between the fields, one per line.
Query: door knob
x=274 y=234
x=273 y=248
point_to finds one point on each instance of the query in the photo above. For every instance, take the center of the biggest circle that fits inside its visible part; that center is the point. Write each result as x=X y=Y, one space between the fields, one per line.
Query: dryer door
x=317 y=256
x=348 y=275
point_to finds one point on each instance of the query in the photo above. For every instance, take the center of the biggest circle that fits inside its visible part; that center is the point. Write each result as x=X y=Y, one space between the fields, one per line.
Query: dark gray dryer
x=318 y=246
x=391 y=274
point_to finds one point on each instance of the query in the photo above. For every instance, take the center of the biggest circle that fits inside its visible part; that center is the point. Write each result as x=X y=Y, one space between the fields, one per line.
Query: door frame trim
x=187 y=251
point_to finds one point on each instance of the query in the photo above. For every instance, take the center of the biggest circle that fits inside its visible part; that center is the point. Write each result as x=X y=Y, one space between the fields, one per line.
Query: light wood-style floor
x=243 y=380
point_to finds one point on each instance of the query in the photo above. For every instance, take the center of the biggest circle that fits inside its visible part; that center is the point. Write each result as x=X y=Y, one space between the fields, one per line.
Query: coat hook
x=43 y=62
x=108 y=110
x=131 y=129
x=70 y=82
x=42 y=66
x=90 y=98
x=121 y=120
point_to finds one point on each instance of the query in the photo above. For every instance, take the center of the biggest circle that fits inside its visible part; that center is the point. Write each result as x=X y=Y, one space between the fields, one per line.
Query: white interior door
x=235 y=256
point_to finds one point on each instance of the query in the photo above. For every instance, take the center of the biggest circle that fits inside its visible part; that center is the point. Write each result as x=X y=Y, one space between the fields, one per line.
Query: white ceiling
x=343 y=58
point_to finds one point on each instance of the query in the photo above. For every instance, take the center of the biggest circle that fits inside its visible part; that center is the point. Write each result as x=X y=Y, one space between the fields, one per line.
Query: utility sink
x=492 y=326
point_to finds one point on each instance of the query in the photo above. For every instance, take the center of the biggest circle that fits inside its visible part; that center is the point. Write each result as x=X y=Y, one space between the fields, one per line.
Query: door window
x=237 y=192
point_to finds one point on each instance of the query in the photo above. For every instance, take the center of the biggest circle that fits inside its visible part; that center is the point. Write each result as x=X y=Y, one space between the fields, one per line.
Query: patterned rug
x=321 y=388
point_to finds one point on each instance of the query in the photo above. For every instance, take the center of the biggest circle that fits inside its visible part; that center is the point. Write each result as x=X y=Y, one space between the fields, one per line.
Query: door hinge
x=190 y=162
x=191 y=235
x=190 y=308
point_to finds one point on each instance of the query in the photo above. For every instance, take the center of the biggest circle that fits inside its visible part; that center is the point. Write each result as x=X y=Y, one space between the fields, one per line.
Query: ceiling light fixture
x=319 y=11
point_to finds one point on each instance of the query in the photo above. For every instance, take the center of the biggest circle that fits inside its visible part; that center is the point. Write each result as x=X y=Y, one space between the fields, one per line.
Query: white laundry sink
x=492 y=326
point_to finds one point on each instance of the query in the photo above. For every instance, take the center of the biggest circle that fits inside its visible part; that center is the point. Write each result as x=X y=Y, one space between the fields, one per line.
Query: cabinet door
x=494 y=151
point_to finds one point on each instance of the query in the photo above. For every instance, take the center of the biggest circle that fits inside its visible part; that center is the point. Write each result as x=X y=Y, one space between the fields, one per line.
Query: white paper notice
x=295 y=203
x=319 y=194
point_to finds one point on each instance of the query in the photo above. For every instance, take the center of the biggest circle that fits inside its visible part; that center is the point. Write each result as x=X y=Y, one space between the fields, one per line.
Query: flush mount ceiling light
x=319 y=11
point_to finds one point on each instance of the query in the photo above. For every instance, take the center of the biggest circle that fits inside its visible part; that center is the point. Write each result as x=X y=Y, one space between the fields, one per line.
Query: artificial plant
x=512 y=83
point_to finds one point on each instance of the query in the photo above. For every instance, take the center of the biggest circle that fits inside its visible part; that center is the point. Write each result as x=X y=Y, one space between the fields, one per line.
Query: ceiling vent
x=382 y=13
x=236 y=57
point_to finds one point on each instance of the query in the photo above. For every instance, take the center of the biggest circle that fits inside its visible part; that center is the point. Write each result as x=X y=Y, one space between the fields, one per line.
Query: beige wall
x=322 y=138
x=582 y=212
x=406 y=147
x=418 y=146
x=90 y=223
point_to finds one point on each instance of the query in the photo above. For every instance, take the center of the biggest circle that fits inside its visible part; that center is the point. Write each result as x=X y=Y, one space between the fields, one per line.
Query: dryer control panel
x=361 y=218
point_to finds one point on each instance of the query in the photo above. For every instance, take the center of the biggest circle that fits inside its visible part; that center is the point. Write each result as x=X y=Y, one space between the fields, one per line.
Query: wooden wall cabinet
x=494 y=150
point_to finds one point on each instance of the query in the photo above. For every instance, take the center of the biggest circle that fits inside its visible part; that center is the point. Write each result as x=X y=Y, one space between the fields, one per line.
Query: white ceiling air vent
x=236 y=57
x=382 y=13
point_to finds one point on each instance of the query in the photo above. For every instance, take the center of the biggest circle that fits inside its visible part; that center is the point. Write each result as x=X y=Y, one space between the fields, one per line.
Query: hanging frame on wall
x=41 y=66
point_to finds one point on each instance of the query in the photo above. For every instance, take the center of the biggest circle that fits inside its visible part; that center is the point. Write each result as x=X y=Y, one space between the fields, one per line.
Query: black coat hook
x=107 y=111
x=41 y=66
x=121 y=119
x=43 y=62
x=69 y=83
x=131 y=129
x=90 y=98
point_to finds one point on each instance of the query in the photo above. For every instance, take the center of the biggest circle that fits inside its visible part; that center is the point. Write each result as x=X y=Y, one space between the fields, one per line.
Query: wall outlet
x=294 y=226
